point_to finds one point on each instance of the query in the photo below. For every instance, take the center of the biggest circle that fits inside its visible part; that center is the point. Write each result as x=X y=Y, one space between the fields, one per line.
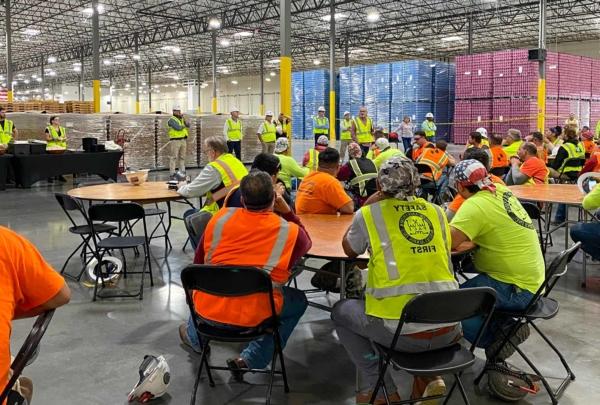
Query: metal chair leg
x=555 y=349
x=279 y=349
x=461 y=389
x=271 y=377
x=198 y=374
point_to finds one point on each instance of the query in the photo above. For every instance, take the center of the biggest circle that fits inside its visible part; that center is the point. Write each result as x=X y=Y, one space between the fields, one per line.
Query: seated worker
x=56 y=136
x=509 y=258
x=321 y=192
x=30 y=287
x=476 y=141
x=512 y=142
x=223 y=172
x=587 y=138
x=592 y=164
x=268 y=163
x=587 y=233
x=484 y=159
x=537 y=138
x=554 y=137
x=385 y=152
x=401 y=265
x=289 y=167
x=498 y=156
x=527 y=168
x=570 y=151
x=311 y=157
x=419 y=145
x=251 y=236
x=484 y=137
x=359 y=173
x=437 y=160
x=374 y=150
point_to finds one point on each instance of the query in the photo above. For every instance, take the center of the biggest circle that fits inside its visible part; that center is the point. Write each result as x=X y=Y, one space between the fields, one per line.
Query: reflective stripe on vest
x=232 y=171
x=313 y=160
x=429 y=130
x=320 y=122
x=574 y=152
x=269 y=132
x=345 y=134
x=360 y=179
x=363 y=131
x=234 y=130
x=426 y=158
x=175 y=134
x=55 y=137
x=218 y=232
x=6 y=132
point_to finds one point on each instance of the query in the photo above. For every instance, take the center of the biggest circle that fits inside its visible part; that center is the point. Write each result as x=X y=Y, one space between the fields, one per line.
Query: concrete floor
x=91 y=352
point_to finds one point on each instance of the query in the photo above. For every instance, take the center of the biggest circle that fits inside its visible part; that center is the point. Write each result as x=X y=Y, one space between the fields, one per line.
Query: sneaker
x=519 y=337
x=26 y=388
x=364 y=397
x=183 y=335
x=235 y=368
x=434 y=387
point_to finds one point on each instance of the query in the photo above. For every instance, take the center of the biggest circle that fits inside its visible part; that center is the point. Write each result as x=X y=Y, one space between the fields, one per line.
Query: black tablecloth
x=4 y=169
x=32 y=168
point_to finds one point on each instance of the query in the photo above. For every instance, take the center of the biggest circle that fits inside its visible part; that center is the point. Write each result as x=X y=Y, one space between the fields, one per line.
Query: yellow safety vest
x=232 y=171
x=6 y=132
x=321 y=122
x=361 y=178
x=234 y=130
x=345 y=134
x=313 y=160
x=174 y=134
x=512 y=149
x=410 y=243
x=55 y=137
x=364 y=131
x=575 y=152
x=429 y=127
x=269 y=132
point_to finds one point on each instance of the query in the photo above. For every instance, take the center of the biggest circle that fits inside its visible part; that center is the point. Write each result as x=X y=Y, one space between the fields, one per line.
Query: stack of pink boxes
x=499 y=91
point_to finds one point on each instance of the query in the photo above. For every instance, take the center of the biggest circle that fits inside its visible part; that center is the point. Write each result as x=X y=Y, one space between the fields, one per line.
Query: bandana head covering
x=281 y=145
x=354 y=151
x=399 y=178
x=471 y=172
x=323 y=140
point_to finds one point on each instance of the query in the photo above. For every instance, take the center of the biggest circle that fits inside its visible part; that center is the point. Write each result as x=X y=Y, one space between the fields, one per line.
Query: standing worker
x=345 y=134
x=178 y=133
x=429 y=127
x=362 y=130
x=7 y=129
x=280 y=124
x=320 y=124
x=267 y=133
x=55 y=134
x=234 y=133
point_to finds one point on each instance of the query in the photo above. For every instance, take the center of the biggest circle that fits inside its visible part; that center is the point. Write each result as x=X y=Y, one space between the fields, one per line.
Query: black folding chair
x=437 y=308
x=195 y=225
x=27 y=351
x=541 y=307
x=428 y=185
x=232 y=281
x=118 y=212
x=535 y=214
x=500 y=171
x=570 y=177
x=69 y=204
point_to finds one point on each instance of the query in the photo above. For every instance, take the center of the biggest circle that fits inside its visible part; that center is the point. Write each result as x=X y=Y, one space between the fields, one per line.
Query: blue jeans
x=589 y=236
x=561 y=213
x=259 y=352
x=235 y=147
x=407 y=144
x=508 y=297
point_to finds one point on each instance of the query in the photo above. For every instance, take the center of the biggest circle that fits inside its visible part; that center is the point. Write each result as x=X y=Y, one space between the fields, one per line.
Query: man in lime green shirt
x=385 y=152
x=589 y=233
x=512 y=142
x=508 y=257
x=289 y=167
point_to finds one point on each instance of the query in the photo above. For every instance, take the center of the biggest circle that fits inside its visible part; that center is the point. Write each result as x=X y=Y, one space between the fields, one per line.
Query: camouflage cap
x=398 y=177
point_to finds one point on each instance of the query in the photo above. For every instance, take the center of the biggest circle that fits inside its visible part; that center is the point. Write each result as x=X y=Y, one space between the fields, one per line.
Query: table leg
x=342 y=279
x=567 y=228
x=167 y=240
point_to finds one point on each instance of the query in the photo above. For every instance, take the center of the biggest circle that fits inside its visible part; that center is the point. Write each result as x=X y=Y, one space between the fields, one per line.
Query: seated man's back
x=320 y=192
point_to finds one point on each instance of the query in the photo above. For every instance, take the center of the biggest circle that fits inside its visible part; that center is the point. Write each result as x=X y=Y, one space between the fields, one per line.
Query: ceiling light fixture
x=420 y=49
x=373 y=16
x=338 y=16
x=242 y=34
x=39 y=79
x=31 y=32
x=120 y=56
x=77 y=68
x=451 y=38
x=52 y=73
x=136 y=56
x=234 y=82
x=268 y=79
x=214 y=23
x=107 y=62
x=316 y=62
x=274 y=61
x=224 y=42
x=273 y=74
x=51 y=59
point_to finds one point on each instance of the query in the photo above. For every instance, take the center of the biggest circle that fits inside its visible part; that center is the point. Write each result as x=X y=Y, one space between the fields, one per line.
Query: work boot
x=235 y=368
x=519 y=337
x=183 y=335
x=364 y=397
x=424 y=387
x=26 y=388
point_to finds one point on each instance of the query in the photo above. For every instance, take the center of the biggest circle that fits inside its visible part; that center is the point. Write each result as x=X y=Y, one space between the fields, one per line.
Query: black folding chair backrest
x=423 y=168
x=69 y=203
x=557 y=269
x=196 y=224
x=27 y=350
x=225 y=281
x=449 y=307
x=116 y=212
x=532 y=210
x=499 y=171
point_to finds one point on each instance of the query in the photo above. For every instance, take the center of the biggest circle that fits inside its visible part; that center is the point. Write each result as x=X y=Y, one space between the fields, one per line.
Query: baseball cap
x=321 y=108
x=281 y=145
x=399 y=177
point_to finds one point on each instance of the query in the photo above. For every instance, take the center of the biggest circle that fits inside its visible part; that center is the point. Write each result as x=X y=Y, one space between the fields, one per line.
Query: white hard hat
x=382 y=143
x=269 y=113
x=234 y=109
x=483 y=132
x=429 y=115
x=154 y=379
x=176 y=107
x=346 y=112
x=321 y=108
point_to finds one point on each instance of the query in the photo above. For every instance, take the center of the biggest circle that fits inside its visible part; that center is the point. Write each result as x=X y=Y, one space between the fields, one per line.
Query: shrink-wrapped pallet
x=139 y=131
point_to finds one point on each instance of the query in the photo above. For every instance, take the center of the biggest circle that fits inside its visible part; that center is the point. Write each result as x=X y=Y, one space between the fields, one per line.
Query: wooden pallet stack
x=8 y=107
x=54 y=107
x=80 y=107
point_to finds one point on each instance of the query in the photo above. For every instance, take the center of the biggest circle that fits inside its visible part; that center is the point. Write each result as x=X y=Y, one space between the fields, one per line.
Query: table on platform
x=32 y=168
x=327 y=233
x=4 y=169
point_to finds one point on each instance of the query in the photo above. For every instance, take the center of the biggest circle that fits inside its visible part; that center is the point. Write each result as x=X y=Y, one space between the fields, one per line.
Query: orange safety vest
x=589 y=146
x=499 y=157
x=232 y=238
x=419 y=151
x=597 y=155
x=435 y=158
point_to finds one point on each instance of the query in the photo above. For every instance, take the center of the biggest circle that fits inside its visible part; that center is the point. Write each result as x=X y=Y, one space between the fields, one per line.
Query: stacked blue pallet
x=316 y=94
x=412 y=88
x=345 y=90
x=298 y=105
x=357 y=92
x=441 y=101
x=378 y=93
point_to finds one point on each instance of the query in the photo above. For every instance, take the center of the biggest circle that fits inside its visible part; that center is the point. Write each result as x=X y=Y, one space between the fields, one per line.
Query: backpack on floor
x=508 y=383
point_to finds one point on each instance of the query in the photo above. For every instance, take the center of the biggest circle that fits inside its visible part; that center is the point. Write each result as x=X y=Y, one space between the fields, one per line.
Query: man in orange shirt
x=499 y=158
x=587 y=137
x=29 y=286
x=321 y=192
x=537 y=138
x=481 y=156
x=527 y=168
x=420 y=143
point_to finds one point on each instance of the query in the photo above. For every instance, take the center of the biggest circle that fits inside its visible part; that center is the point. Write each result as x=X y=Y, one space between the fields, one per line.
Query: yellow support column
x=261 y=110
x=137 y=107
x=285 y=93
x=332 y=117
x=214 y=105
x=541 y=116
x=96 y=91
x=9 y=96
